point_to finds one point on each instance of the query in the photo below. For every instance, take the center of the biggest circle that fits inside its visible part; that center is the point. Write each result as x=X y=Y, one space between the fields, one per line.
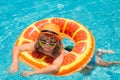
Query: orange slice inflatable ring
x=75 y=60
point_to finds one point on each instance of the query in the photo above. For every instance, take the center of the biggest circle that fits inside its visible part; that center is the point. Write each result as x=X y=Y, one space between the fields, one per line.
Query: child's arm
x=49 y=69
x=15 y=55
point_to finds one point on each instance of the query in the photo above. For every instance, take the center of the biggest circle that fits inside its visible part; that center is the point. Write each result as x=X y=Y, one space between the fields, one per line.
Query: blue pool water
x=101 y=17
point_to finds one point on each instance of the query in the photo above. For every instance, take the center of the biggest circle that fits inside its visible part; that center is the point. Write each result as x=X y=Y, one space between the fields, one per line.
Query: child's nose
x=47 y=43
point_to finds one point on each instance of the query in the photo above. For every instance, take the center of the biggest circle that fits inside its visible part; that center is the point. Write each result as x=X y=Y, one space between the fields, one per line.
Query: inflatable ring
x=75 y=60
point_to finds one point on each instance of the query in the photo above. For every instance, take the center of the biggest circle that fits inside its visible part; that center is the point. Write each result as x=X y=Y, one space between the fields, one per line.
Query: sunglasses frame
x=43 y=43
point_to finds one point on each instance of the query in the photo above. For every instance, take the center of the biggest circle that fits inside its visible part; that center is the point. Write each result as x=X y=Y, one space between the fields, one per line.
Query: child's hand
x=26 y=73
x=13 y=68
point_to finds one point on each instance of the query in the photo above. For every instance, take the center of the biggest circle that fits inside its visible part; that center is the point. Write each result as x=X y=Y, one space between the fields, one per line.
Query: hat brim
x=57 y=36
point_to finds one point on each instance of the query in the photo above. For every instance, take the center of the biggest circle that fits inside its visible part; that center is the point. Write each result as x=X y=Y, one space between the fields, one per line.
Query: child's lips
x=47 y=47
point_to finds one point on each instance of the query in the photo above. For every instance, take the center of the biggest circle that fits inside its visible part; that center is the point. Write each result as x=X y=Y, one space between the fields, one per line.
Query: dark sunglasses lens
x=52 y=44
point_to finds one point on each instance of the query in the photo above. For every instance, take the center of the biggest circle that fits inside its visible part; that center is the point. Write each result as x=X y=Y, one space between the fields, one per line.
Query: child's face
x=47 y=42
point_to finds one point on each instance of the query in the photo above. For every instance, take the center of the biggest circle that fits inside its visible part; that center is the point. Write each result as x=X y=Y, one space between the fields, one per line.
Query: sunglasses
x=43 y=43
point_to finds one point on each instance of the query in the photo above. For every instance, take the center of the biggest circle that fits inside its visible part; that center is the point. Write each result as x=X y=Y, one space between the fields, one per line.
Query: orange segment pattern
x=81 y=35
x=69 y=59
x=59 y=22
x=74 y=61
x=35 y=54
x=49 y=60
x=80 y=48
x=71 y=28
x=31 y=34
x=40 y=24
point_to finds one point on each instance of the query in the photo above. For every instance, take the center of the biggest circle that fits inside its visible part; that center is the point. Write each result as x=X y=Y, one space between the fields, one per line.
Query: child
x=49 y=43
x=96 y=60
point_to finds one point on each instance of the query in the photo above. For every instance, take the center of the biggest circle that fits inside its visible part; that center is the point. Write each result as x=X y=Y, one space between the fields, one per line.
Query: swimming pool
x=101 y=17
